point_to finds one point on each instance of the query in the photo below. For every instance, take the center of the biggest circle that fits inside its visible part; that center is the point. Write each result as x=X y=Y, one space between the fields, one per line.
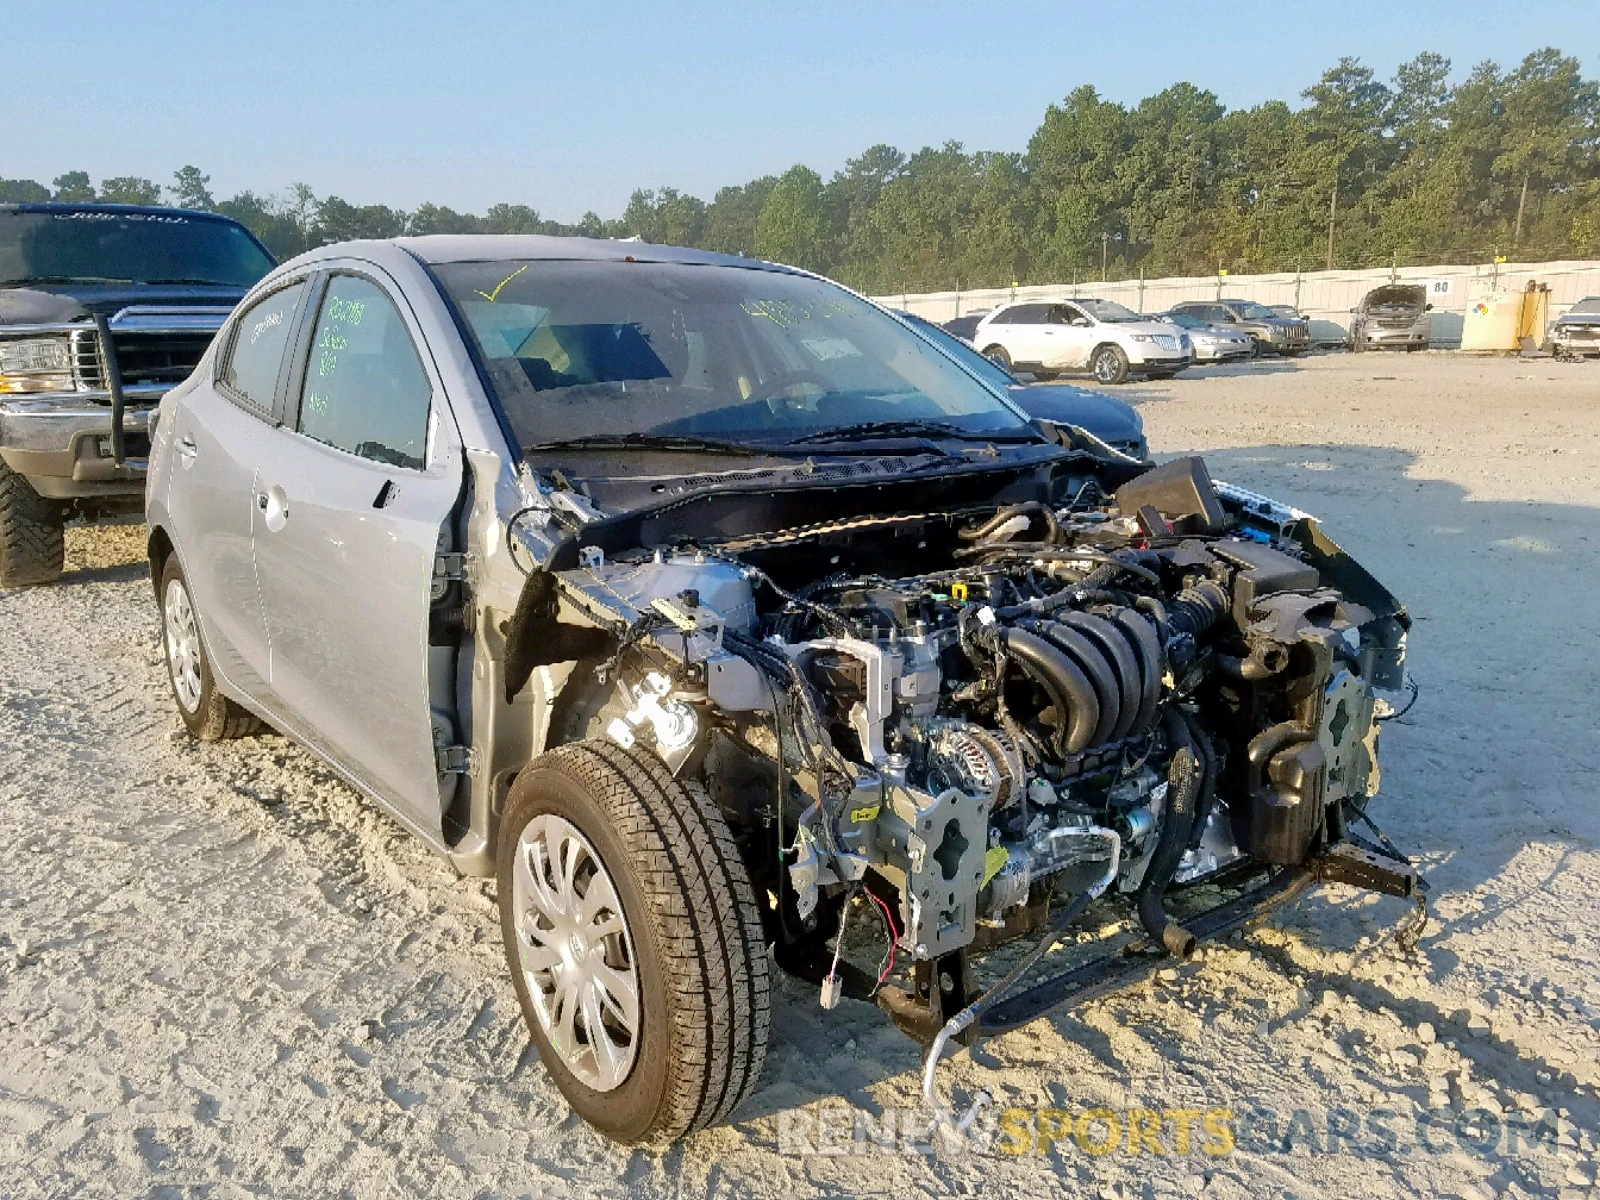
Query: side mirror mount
x=1080 y=322
x=1427 y=308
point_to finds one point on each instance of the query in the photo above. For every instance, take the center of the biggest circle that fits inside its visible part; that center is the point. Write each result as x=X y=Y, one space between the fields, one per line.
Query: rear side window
x=251 y=371
x=365 y=391
x=1025 y=314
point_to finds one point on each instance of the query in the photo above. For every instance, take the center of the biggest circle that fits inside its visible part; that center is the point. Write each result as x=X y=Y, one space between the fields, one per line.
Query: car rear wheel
x=1110 y=365
x=32 y=539
x=998 y=356
x=634 y=941
x=206 y=712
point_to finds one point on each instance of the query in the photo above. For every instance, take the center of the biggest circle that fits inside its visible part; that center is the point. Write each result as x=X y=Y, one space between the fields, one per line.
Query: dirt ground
x=221 y=973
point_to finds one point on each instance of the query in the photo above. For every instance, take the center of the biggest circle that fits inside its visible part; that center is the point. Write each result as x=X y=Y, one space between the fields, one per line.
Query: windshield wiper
x=648 y=441
x=866 y=431
x=199 y=282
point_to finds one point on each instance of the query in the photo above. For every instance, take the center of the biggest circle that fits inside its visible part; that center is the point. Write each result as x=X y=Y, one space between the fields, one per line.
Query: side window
x=1027 y=314
x=1064 y=314
x=365 y=391
x=1218 y=315
x=251 y=371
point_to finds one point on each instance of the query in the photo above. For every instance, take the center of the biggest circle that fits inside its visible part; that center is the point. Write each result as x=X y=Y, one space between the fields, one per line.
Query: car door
x=1022 y=333
x=351 y=502
x=1074 y=336
x=219 y=431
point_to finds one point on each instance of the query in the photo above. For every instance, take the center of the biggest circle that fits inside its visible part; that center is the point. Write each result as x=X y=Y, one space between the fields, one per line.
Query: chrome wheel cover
x=1105 y=366
x=576 y=952
x=183 y=645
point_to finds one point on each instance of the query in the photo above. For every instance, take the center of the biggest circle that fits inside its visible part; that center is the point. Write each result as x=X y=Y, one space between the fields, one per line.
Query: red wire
x=893 y=936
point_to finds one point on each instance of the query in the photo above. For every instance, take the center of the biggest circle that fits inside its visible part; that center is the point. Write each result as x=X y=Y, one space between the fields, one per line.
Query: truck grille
x=146 y=359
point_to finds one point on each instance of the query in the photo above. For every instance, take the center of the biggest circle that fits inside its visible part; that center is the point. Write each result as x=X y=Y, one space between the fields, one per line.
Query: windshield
x=581 y=349
x=1249 y=311
x=970 y=358
x=1108 y=310
x=1588 y=306
x=1183 y=319
x=127 y=247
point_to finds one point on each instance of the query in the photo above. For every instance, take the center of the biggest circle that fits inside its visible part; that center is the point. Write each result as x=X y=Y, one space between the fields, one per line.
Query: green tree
x=733 y=214
x=789 y=228
x=73 y=186
x=23 y=191
x=130 y=189
x=434 y=218
x=1346 y=125
x=1549 y=127
x=512 y=218
x=1073 y=166
x=189 y=189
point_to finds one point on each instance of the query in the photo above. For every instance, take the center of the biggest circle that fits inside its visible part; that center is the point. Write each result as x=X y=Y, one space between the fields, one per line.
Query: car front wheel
x=998 y=356
x=634 y=941
x=1110 y=365
x=206 y=712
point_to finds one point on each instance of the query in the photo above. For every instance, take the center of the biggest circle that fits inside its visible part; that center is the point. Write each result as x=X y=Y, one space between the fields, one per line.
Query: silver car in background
x=1212 y=343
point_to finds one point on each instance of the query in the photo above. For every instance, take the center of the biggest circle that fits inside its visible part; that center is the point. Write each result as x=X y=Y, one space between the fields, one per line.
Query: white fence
x=1326 y=297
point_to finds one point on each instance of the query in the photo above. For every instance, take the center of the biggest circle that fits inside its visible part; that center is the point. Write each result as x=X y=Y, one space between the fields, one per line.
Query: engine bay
x=975 y=716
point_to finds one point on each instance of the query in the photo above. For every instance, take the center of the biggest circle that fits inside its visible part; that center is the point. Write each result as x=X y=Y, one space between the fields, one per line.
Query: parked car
x=1268 y=331
x=1109 y=419
x=1391 y=317
x=103 y=307
x=1577 y=331
x=1212 y=343
x=708 y=606
x=1100 y=336
x=965 y=325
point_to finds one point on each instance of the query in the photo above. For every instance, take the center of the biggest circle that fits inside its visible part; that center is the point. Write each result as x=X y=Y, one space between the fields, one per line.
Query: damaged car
x=1392 y=317
x=731 y=625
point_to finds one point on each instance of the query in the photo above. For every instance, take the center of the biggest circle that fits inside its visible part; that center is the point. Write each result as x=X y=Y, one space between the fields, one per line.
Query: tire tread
x=713 y=948
x=32 y=538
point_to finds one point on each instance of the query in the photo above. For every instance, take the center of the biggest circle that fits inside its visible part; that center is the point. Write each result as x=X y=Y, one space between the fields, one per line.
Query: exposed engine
x=1130 y=691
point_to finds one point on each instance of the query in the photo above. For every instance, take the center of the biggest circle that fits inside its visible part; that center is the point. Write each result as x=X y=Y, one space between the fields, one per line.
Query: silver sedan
x=1212 y=343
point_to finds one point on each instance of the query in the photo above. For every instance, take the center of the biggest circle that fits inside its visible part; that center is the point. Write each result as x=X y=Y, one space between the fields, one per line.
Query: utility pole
x=1333 y=215
x=1105 y=246
x=1141 y=287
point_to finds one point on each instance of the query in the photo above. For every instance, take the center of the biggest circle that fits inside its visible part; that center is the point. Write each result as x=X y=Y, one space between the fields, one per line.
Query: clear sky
x=569 y=106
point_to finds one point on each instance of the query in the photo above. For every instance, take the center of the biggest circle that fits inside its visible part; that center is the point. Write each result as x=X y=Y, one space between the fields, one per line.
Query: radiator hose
x=1183 y=789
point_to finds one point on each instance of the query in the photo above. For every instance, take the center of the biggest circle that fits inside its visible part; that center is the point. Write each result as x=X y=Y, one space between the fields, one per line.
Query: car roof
x=147 y=210
x=436 y=249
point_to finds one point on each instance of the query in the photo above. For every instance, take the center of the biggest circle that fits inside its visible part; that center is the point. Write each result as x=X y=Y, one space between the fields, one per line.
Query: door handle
x=274 y=506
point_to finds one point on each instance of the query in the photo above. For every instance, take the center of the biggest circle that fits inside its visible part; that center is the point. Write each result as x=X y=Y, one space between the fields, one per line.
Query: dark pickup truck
x=103 y=308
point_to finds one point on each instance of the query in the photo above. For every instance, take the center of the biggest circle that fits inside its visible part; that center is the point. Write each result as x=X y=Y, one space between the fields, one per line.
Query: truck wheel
x=32 y=544
x=998 y=356
x=206 y=712
x=634 y=941
x=1110 y=365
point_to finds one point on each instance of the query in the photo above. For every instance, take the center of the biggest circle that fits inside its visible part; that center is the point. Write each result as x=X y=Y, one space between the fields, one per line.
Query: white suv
x=1100 y=336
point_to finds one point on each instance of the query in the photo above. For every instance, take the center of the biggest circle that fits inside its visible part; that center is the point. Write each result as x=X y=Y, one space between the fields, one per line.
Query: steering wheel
x=772 y=393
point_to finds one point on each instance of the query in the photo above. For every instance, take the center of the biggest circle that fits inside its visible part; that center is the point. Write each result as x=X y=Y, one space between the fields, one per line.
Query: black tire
x=32 y=540
x=1109 y=365
x=206 y=713
x=696 y=938
x=1255 y=347
x=998 y=356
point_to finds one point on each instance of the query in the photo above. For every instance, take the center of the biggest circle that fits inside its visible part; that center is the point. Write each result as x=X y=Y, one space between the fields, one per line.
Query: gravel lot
x=221 y=973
